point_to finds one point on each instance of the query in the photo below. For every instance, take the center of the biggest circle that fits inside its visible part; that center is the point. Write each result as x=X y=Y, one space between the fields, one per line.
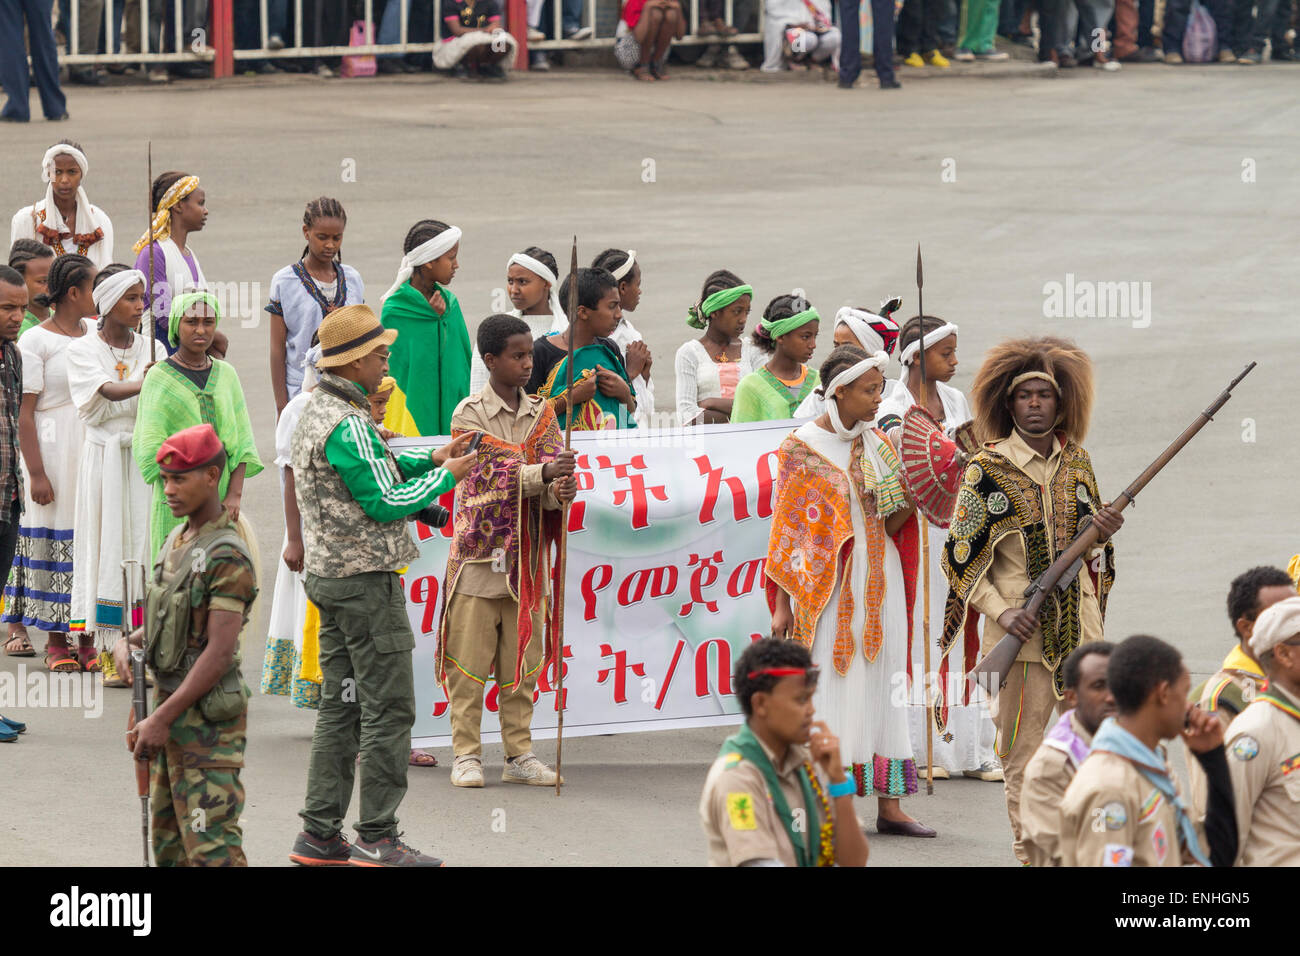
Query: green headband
x=697 y=316
x=180 y=305
x=780 y=327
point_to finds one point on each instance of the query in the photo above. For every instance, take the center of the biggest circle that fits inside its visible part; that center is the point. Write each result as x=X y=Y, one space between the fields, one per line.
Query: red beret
x=189 y=448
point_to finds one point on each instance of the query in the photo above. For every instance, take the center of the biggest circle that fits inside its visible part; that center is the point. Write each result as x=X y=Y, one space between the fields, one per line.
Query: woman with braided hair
x=303 y=293
x=32 y=259
x=709 y=368
x=39 y=593
x=788 y=333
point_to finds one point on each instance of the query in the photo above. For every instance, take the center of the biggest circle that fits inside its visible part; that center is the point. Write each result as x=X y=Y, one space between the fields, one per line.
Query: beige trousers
x=1021 y=712
x=482 y=640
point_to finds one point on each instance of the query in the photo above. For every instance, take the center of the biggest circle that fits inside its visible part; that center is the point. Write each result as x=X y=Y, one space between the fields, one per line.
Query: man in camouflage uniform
x=199 y=595
x=355 y=497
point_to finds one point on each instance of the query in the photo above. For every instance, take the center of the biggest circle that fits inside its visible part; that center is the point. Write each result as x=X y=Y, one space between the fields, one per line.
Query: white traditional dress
x=112 y=510
x=39 y=593
x=282 y=666
x=966 y=742
x=861 y=704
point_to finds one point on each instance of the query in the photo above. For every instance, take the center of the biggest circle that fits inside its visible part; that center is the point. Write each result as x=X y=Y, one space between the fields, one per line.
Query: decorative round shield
x=932 y=465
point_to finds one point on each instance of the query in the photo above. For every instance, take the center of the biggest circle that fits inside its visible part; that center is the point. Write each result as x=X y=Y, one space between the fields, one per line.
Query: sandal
x=88 y=657
x=108 y=667
x=19 y=646
x=59 y=660
x=658 y=72
x=421 y=759
x=639 y=72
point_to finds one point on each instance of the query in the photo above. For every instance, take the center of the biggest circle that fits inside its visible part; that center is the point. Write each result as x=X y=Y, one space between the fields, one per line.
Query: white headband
x=310 y=374
x=543 y=272
x=109 y=292
x=1276 y=623
x=62 y=149
x=909 y=353
x=859 y=323
x=879 y=360
x=626 y=267
x=423 y=254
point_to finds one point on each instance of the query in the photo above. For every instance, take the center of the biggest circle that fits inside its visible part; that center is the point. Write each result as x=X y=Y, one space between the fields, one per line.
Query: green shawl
x=602 y=411
x=761 y=397
x=430 y=358
x=29 y=322
x=169 y=402
x=806 y=851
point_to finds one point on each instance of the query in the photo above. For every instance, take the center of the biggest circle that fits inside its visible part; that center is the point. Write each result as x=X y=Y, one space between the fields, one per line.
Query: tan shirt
x=1111 y=815
x=738 y=817
x=1003 y=587
x=486 y=412
x=1197 y=786
x=1047 y=775
x=1263 y=744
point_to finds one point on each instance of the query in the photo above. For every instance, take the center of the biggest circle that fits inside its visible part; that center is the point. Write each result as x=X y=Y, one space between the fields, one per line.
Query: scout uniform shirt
x=1225 y=695
x=1113 y=816
x=1003 y=587
x=1263 y=745
x=486 y=412
x=738 y=817
x=1047 y=776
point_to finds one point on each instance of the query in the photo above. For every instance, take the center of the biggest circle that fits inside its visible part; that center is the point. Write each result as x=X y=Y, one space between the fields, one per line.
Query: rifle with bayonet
x=992 y=672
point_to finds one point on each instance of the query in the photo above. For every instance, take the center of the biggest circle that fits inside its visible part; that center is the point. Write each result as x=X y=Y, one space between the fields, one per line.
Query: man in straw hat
x=1023 y=498
x=355 y=497
x=1263 y=744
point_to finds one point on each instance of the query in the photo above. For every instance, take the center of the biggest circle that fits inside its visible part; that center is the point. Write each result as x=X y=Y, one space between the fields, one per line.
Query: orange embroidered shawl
x=811 y=544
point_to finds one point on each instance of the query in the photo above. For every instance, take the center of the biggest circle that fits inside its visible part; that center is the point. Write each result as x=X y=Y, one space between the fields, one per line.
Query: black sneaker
x=492 y=71
x=309 y=850
x=390 y=851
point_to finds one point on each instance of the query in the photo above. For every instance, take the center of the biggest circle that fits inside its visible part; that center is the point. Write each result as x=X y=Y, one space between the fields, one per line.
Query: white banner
x=667 y=542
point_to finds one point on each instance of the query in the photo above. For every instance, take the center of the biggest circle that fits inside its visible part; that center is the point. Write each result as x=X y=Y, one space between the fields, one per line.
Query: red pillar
x=517 y=23
x=223 y=39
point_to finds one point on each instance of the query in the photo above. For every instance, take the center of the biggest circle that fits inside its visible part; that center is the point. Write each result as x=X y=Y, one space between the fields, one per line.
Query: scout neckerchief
x=1112 y=738
x=747 y=745
x=1278 y=700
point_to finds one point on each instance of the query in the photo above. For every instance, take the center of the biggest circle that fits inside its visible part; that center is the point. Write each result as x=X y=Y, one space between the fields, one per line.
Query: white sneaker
x=467 y=772
x=535 y=35
x=709 y=58
x=735 y=61
x=528 y=769
x=582 y=33
x=1110 y=66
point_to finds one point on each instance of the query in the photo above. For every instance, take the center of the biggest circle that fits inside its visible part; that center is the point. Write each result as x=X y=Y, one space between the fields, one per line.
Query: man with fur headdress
x=1023 y=498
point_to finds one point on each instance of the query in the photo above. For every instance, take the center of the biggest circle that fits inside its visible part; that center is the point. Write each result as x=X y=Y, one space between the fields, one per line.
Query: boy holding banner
x=507 y=518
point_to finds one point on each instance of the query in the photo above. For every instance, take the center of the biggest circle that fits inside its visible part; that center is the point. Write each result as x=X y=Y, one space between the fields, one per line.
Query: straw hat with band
x=350 y=333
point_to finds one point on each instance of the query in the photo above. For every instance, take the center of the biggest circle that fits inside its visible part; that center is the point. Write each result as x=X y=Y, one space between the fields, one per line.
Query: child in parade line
x=497 y=618
x=180 y=209
x=192 y=388
x=965 y=743
x=303 y=293
x=835 y=576
x=772 y=775
x=39 y=593
x=861 y=327
x=636 y=354
x=602 y=391
x=532 y=282
x=473 y=41
x=106 y=370
x=643 y=35
x=32 y=259
x=430 y=358
x=709 y=368
x=787 y=332
x=388 y=409
x=64 y=219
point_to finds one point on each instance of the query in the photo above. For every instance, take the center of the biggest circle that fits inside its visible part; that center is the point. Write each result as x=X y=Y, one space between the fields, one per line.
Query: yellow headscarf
x=161 y=228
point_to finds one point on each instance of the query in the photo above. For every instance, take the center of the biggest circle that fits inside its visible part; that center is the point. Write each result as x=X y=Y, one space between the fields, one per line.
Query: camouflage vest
x=339 y=539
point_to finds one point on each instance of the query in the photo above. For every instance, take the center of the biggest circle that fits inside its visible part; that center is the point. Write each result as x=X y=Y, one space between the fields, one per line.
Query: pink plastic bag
x=359 y=65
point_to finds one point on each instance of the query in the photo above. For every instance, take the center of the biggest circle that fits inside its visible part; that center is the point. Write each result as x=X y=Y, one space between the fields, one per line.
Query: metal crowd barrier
x=221 y=52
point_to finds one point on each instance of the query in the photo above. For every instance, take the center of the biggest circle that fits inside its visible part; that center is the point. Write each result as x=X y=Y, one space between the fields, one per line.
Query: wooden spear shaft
x=562 y=561
x=148 y=232
x=925 y=556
